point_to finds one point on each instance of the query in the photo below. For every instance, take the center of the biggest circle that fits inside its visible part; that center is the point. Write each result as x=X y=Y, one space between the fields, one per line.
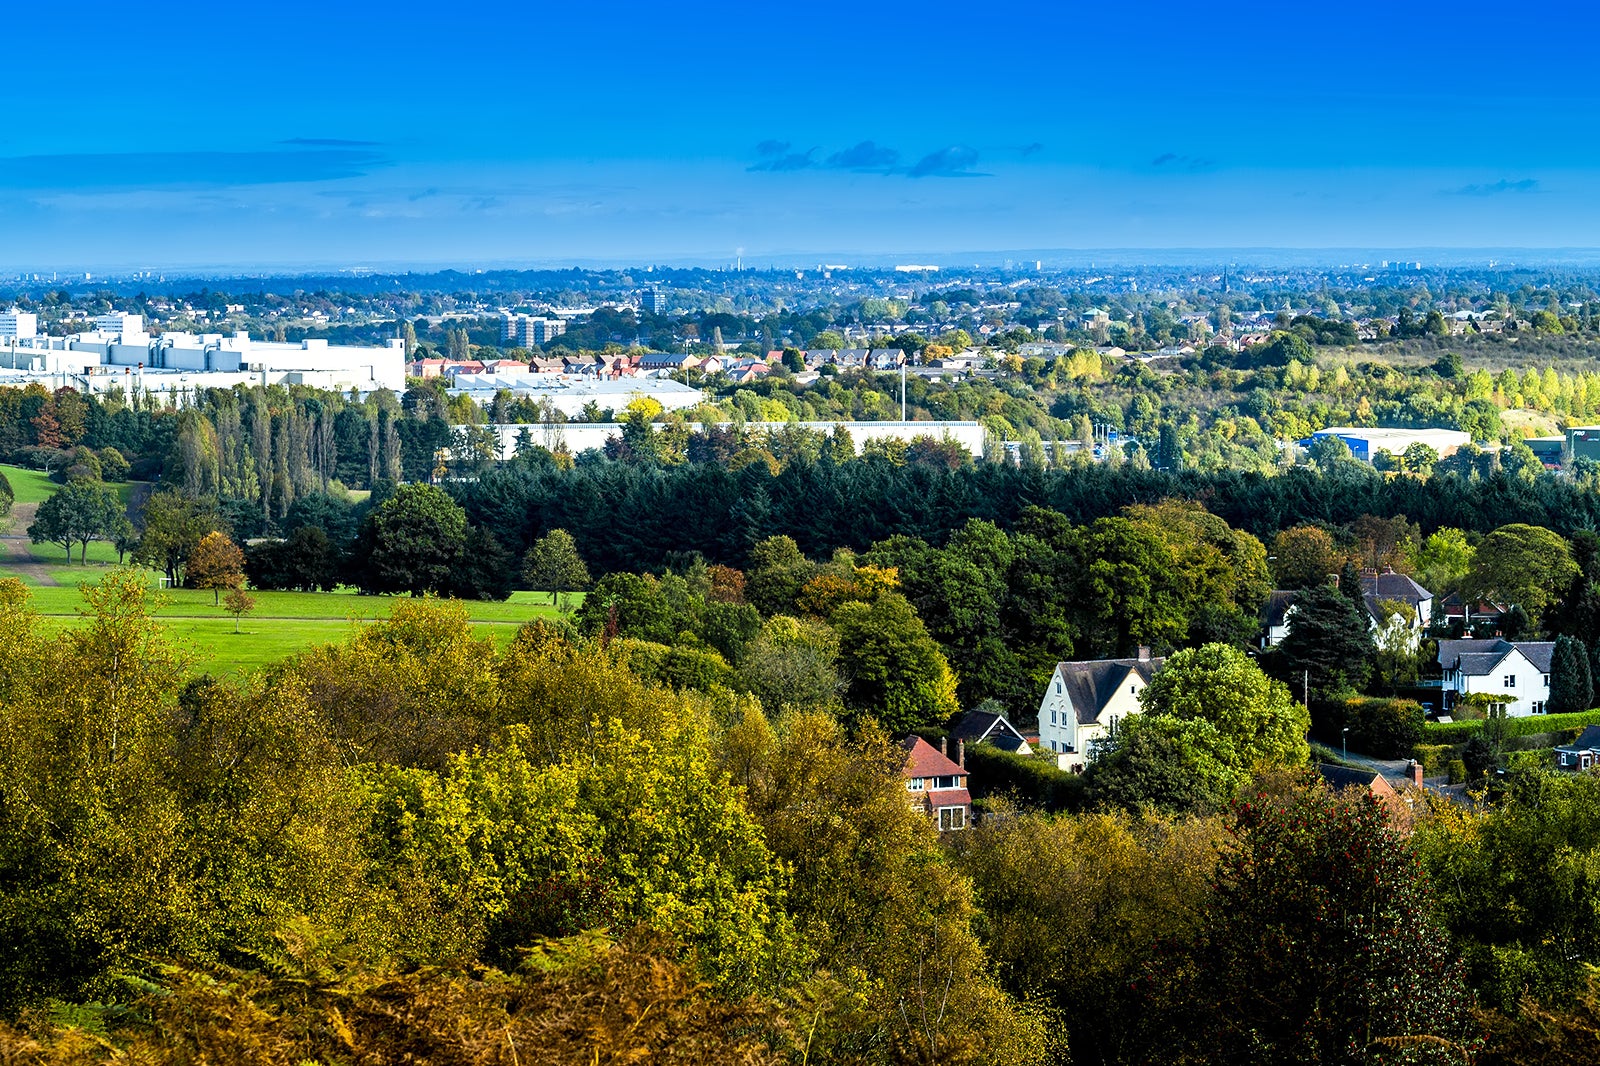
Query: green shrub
x=1530 y=760
x=1435 y=758
x=1461 y=732
x=1383 y=728
x=1032 y=780
x=1535 y=741
x=1458 y=771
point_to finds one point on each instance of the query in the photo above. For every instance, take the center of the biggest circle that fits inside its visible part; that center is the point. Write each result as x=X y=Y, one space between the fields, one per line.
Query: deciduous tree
x=412 y=541
x=216 y=563
x=1528 y=566
x=1315 y=888
x=79 y=512
x=553 y=565
x=891 y=668
x=239 y=603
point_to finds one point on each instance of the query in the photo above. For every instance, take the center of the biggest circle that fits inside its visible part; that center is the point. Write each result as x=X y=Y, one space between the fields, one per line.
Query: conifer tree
x=1571 y=686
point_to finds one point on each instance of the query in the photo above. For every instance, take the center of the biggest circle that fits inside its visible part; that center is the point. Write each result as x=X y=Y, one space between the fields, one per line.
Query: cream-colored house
x=1086 y=700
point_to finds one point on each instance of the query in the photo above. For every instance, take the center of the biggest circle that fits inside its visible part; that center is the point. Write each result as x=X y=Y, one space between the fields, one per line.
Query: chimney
x=961 y=753
x=1144 y=653
x=944 y=746
x=1414 y=773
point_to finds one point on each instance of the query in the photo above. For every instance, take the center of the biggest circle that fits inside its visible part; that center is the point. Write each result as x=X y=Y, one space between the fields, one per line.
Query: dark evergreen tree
x=1350 y=588
x=1571 y=686
x=1329 y=649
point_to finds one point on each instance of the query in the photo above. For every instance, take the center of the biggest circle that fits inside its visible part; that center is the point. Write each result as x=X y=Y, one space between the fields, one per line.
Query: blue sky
x=180 y=134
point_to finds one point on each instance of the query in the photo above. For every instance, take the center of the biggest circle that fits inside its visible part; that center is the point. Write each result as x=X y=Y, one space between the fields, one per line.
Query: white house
x=1399 y=588
x=1496 y=666
x=1086 y=700
x=1275 y=617
x=1277 y=614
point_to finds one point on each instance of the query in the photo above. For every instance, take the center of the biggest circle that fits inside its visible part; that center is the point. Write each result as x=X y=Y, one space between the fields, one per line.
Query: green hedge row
x=1033 y=781
x=1461 y=732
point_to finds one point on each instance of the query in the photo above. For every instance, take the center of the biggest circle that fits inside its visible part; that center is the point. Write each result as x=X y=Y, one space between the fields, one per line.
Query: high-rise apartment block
x=18 y=325
x=119 y=325
x=529 y=331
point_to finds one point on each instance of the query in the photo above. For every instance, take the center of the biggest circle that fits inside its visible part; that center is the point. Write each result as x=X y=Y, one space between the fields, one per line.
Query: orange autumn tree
x=217 y=563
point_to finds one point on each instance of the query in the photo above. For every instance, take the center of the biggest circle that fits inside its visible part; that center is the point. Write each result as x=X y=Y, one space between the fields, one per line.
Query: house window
x=1511 y=681
x=1538 y=706
x=1052 y=717
x=948 y=781
x=915 y=785
x=952 y=818
x=1133 y=690
x=1058 y=686
x=1546 y=680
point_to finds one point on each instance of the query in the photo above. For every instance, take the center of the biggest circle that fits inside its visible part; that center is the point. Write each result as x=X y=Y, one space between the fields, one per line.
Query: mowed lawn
x=34 y=486
x=282 y=624
x=29 y=486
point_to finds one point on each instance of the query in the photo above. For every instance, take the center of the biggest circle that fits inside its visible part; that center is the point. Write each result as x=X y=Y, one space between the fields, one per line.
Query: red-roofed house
x=937 y=786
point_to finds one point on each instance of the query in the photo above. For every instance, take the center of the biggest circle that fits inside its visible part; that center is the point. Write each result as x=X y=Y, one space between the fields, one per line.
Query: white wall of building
x=1515 y=676
x=1061 y=732
x=18 y=325
x=210 y=360
x=581 y=436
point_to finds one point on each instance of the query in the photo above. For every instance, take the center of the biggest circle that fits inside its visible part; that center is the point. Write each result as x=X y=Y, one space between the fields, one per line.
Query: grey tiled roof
x=1090 y=684
x=1476 y=658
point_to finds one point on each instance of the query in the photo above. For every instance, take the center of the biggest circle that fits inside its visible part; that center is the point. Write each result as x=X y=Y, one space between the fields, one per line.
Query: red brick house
x=935 y=785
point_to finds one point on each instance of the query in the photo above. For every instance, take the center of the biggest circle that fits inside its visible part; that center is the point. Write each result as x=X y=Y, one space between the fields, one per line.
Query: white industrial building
x=577 y=437
x=127 y=358
x=570 y=394
x=18 y=325
x=119 y=324
x=1366 y=443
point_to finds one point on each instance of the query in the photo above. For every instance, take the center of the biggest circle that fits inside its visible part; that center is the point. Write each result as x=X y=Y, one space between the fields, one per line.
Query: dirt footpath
x=17 y=560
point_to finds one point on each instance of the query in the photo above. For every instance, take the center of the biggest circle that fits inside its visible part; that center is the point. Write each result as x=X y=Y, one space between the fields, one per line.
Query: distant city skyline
x=345 y=134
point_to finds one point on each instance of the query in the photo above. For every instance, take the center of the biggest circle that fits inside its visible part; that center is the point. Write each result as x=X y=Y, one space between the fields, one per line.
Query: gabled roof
x=1392 y=586
x=1276 y=610
x=950 y=797
x=925 y=760
x=1342 y=777
x=1475 y=658
x=1539 y=653
x=982 y=727
x=1091 y=684
x=1588 y=740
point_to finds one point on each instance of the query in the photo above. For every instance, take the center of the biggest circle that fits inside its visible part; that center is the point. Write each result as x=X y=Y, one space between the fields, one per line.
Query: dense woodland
x=416 y=844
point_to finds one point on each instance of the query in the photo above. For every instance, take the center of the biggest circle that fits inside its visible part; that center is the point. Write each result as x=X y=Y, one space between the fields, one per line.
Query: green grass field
x=33 y=486
x=213 y=647
x=30 y=486
x=282 y=624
